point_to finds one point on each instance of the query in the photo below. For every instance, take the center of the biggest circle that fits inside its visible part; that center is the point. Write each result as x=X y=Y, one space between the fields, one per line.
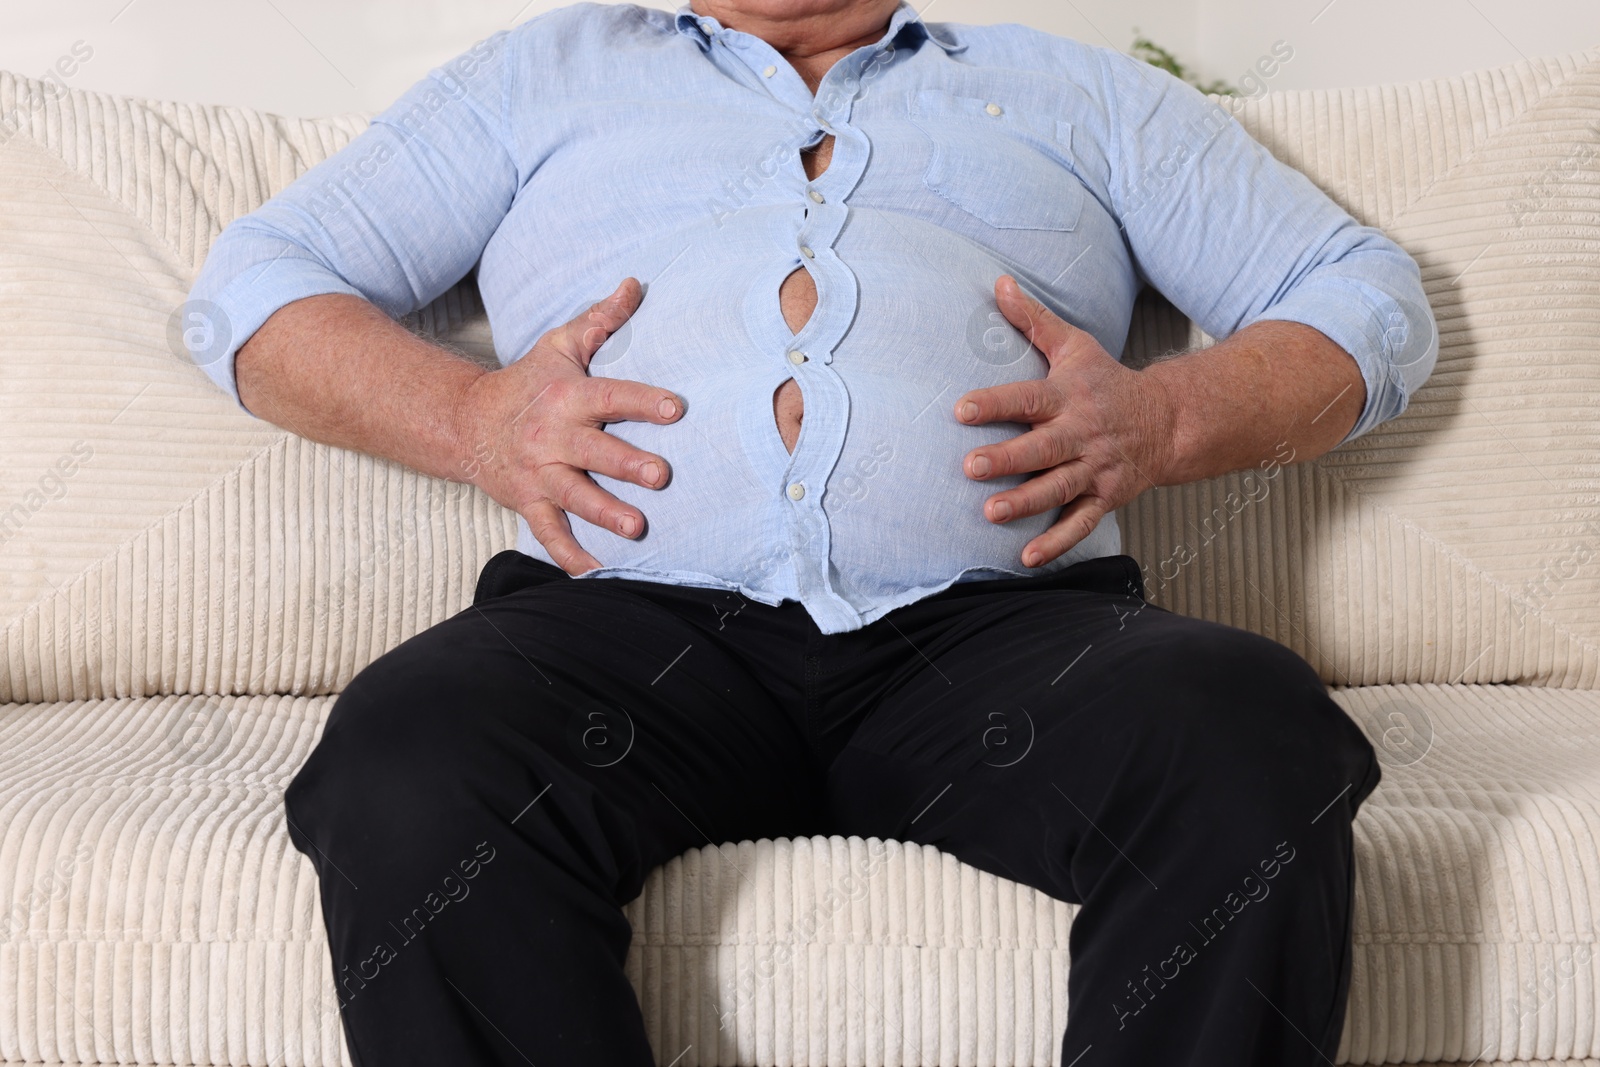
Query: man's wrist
x=464 y=435
x=1167 y=458
x=1241 y=401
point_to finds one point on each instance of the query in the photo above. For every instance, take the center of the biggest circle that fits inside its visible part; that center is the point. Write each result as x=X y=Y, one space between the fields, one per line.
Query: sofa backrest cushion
x=155 y=539
x=1459 y=542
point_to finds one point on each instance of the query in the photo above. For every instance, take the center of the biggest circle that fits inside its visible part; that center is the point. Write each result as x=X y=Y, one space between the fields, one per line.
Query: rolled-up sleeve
x=1232 y=236
x=396 y=217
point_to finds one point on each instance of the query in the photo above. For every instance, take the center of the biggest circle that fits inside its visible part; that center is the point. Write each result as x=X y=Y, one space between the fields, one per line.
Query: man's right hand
x=532 y=431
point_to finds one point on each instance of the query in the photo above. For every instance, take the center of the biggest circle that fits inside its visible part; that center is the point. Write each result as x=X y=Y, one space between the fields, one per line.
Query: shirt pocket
x=1005 y=166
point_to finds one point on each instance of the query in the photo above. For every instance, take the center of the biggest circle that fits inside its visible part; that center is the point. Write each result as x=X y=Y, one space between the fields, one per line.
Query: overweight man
x=806 y=312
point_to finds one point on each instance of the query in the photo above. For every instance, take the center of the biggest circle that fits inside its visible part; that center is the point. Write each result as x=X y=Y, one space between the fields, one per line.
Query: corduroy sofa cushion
x=154 y=540
x=195 y=549
x=1461 y=541
x=157 y=913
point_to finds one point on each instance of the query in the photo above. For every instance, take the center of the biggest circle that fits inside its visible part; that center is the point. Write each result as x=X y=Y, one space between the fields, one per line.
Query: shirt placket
x=808 y=238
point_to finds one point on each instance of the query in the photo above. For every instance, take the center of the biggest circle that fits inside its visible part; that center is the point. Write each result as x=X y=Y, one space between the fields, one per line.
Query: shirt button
x=796 y=491
x=708 y=25
x=995 y=110
x=817 y=196
x=797 y=357
x=769 y=72
x=805 y=250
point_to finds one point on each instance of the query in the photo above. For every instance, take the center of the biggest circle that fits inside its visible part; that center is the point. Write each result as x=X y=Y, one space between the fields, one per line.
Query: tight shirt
x=601 y=141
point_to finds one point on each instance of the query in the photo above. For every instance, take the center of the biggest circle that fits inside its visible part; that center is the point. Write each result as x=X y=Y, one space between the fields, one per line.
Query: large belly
x=900 y=512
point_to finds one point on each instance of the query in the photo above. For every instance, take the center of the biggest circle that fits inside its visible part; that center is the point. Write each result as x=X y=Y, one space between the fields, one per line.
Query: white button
x=796 y=491
x=797 y=357
x=817 y=196
x=708 y=25
x=769 y=72
x=995 y=109
x=805 y=250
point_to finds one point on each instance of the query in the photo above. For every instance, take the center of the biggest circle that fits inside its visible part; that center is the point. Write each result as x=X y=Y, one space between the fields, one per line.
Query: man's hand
x=1101 y=433
x=533 y=431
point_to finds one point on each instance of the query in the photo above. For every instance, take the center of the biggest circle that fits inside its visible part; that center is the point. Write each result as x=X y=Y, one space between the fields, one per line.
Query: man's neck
x=812 y=41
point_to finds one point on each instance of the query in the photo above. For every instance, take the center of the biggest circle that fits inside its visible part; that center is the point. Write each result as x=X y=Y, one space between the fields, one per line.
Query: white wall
x=309 y=57
x=1369 y=42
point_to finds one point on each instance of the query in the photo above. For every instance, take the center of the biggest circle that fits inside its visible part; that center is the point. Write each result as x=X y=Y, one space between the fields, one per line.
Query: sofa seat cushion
x=157 y=913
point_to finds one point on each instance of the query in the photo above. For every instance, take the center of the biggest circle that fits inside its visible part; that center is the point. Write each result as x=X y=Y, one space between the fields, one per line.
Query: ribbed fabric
x=156 y=913
x=1461 y=541
x=1478 y=875
x=847 y=952
x=197 y=550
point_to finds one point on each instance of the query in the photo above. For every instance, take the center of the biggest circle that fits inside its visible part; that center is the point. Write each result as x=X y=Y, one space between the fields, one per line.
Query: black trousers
x=487 y=795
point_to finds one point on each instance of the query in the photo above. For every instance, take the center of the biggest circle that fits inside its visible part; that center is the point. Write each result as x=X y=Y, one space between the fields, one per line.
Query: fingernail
x=627 y=525
x=1002 y=511
x=652 y=472
x=980 y=467
x=969 y=411
x=1031 y=558
x=668 y=408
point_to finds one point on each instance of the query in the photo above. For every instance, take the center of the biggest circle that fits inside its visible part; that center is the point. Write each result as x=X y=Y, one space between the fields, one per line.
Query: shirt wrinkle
x=692 y=183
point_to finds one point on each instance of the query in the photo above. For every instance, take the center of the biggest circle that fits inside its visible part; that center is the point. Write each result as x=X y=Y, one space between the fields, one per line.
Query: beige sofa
x=184 y=591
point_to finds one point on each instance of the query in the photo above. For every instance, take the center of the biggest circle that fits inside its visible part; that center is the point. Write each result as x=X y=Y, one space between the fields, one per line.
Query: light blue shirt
x=601 y=141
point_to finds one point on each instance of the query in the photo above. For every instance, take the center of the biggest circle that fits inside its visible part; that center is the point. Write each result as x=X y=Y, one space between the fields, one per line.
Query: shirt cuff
x=216 y=325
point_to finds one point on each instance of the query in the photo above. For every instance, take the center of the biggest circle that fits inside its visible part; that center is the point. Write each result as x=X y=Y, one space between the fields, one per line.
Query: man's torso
x=945 y=172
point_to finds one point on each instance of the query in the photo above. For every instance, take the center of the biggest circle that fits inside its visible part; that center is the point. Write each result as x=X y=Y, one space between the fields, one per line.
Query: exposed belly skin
x=797 y=299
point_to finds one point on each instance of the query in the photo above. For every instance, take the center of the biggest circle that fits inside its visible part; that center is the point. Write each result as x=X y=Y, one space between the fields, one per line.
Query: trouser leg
x=1191 y=785
x=486 y=797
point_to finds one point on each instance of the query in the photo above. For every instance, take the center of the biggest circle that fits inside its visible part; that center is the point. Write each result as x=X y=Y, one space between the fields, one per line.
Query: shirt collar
x=703 y=26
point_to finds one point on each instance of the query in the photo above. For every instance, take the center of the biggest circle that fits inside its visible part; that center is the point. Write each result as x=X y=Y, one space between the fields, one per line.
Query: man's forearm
x=1241 y=401
x=337 y=370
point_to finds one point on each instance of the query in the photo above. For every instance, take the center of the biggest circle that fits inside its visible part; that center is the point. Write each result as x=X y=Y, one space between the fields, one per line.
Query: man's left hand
x=1101 y=433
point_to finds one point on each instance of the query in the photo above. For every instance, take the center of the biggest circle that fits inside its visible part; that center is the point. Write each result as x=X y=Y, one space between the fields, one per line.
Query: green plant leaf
x=1150 y=52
